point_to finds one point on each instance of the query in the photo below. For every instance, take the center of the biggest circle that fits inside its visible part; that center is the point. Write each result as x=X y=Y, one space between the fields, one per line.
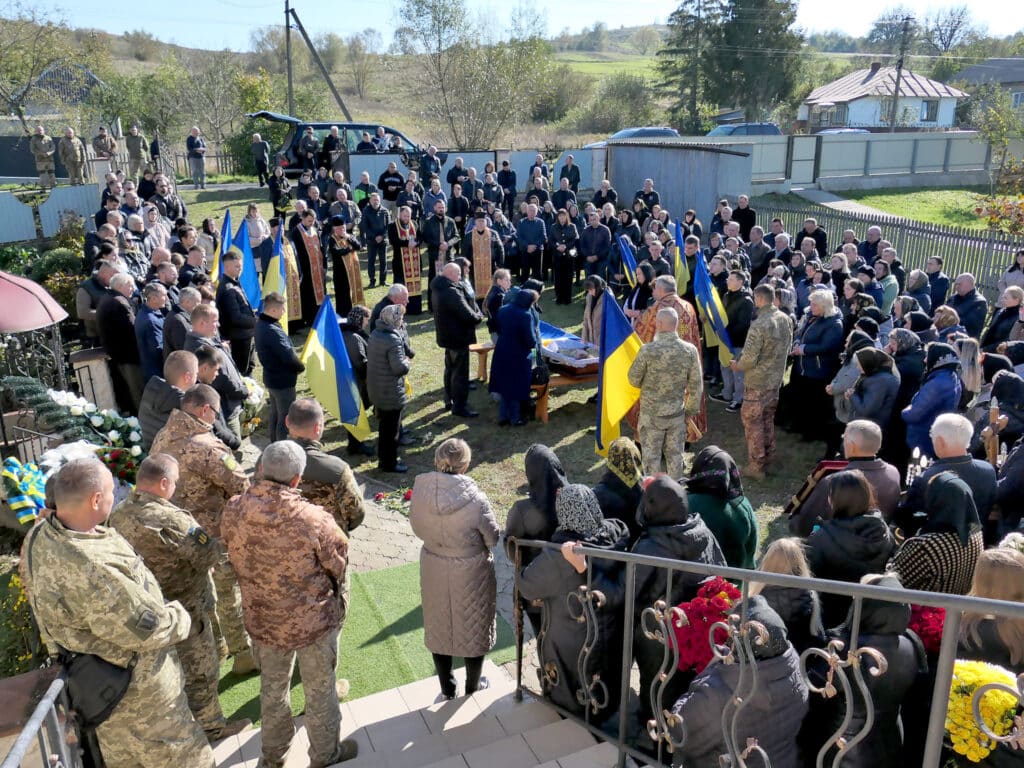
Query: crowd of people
x=884 y=368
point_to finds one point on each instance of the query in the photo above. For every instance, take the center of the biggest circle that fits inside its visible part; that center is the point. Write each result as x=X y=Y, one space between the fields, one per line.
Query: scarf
x=578 y=511
x=873 y=360
x=949 y=505
x=904 y=340
x=715 y=474
x=624 y=461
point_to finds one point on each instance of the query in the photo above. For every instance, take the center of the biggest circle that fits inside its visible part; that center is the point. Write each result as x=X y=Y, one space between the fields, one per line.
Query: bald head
x=83 y=491
x=452 y=271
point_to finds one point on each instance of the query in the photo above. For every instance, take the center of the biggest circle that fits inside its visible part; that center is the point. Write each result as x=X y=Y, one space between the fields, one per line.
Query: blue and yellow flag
x=628 y=259
x=275 y=278
x=217 y=267
x=682 y=269
x=712 y=312
x=329 y=373
x=250 y=278
x=615 y=395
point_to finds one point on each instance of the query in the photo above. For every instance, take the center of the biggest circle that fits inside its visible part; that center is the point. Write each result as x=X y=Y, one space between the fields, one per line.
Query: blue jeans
x=508 y=409
x=732 y=382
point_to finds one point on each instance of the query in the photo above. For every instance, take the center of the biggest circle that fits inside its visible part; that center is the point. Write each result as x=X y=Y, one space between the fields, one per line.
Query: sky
x=218 y=24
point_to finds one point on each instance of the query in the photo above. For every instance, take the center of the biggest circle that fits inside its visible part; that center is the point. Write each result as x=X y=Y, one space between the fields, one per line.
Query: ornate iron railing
x=845 y=673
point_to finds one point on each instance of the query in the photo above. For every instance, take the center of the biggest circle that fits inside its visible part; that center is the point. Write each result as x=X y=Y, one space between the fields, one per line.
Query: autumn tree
x=946 y=29
x=886 y=30
x=645 y=40
x=361 y=57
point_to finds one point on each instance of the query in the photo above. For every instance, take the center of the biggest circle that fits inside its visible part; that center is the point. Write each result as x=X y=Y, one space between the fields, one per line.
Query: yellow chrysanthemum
x=997 y=708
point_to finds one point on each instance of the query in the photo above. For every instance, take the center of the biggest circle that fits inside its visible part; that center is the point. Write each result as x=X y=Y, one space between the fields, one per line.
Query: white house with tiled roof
x=863 y=99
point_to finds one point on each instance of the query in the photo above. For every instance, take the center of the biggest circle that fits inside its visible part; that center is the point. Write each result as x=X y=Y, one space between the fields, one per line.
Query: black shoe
x=406 y=439
x=504 y=422
x=400 y=467
x=519 y=423
x=383 y=282
x=733 y=407
x=447 y=405
x=364 y=449
x=473 y=385
x=465 y=413
x=719 y=399
x=371 y=285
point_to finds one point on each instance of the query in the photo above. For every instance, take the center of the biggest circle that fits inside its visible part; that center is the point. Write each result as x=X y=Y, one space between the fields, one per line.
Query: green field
x=945 y=207
x=604 y=64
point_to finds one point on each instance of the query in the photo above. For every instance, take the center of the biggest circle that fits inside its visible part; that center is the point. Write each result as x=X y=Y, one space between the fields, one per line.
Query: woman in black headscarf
x=640 y=297
x=873 y=397
x=942 y=556
x=715 y=492
x=551 y=578
x=619 y=490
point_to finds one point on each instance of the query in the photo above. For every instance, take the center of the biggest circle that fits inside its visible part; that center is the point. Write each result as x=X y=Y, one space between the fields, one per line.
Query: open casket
x=566 y=351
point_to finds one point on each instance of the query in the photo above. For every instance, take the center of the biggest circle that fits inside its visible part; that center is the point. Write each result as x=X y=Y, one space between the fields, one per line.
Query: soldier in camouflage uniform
x=105 y=147
x=71 y=151
x=91 y=593
x=209 y=477
x=42 y=148
x=180 y=554
x=764 y=362
x=291 y=558
x=138 y=149
x=658 y=370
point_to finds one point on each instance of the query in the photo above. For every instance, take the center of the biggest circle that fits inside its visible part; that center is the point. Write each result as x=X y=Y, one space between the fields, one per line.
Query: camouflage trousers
x=229 y=606
x=758 y=414
x=663 y=436
x=76 y=174
x=201 y=666
x=45 y=169
x=152 y=726
x=318 y=664
x=135 y=166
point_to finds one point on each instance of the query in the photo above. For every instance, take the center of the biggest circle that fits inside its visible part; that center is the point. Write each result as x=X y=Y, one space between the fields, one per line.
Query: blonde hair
x=970 y=364
x=946 y=317
x=786 y=556
x=1016 y=292
x=453 y=456
x=999 y=575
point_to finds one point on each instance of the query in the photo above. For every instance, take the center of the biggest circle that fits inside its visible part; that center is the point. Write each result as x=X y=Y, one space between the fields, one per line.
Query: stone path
x=838 y=203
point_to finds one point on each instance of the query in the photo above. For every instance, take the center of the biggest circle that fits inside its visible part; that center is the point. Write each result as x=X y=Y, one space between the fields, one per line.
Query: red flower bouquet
x=927 y=623
x=713 y=601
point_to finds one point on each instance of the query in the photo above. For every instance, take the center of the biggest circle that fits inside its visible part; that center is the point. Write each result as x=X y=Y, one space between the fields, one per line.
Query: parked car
x=287 y=156
x=647 y=132
x=746 y=129
x=835 y=131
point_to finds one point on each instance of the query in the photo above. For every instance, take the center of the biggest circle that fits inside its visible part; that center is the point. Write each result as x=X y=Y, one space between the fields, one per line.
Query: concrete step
x=412 y=727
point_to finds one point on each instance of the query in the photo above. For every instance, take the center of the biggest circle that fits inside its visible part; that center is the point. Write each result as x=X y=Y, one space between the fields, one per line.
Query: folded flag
x=615 y=395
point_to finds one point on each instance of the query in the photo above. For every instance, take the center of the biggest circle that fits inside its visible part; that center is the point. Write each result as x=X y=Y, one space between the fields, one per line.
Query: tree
x=594 y=38
x=361 y=56
x=142 y=44
x=887 y=30
x=947 y=29
x=756 y=59
x=269 y=51
x=331 y=48
x=682 y=67
x=210 y=92
x=621 y=100
x=645 y=40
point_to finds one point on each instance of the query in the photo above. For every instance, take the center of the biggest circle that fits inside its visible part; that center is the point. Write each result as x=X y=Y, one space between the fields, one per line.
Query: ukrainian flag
x=250 y=278
x=329 y=373
x=712 y=312
x=682 y=269
x=615 y=395
x=275 y=278
x=217 y=268
x=628 y=260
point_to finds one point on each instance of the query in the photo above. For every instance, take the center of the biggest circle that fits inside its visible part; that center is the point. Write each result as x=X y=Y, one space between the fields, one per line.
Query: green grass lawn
x=381 y=645
x=946 y=207
x=604 y=64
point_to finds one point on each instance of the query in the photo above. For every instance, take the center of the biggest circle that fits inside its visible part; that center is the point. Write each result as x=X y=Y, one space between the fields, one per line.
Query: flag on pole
x=712 y=312
x=217 y=267
x=682 y=269
x=275 y=278
x=329 y=372
x=628 y=260
x=615 y=395
x=250 y=278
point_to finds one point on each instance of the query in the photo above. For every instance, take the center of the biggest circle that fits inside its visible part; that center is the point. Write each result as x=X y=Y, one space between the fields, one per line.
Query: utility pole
x=288 y=53
x=904 y=44
x=320 y=65
x=696 y=72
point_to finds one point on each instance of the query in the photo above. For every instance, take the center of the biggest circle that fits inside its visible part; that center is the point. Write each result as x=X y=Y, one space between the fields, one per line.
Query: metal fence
x=986 y=254
x=224 y=165
x=47 y=726
x=847 y=667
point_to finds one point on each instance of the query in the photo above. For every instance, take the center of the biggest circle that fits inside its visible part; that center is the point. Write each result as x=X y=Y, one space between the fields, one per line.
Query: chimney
x=875 y=66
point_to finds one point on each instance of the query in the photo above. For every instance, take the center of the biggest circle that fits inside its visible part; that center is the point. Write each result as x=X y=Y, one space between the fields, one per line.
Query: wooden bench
x=557 y=380
x=482 y=351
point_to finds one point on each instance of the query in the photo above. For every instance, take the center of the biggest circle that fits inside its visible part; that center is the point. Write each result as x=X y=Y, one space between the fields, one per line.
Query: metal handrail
x=954 y=605
x=45 y=725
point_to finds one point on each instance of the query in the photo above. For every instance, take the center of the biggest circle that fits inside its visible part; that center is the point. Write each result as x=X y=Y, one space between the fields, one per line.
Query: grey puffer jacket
x=459 y=589
x=386 y=366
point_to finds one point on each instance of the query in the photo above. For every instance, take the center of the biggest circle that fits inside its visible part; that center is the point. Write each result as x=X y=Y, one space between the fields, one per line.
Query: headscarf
x=624 y=461
x=777 y=642
x=873 y=360
x=991 y=364
x=545 y=476
x=857 y=340
x=391 y=317
x=578 y=511
x=940 y=355
x=715 y=474
x=356 y=316
x=918 y=321
x=867 y=325
x=905 y=340
x=949 y=504
x=1008 y=389
x=663 y=503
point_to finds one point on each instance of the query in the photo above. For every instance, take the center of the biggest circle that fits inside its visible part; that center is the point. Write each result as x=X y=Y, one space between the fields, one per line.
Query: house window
x=929 y=111
x=831 y=116
x=1017 y=99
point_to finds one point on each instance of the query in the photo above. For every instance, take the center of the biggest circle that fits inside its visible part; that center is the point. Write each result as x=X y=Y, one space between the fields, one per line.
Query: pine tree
x=683 y=63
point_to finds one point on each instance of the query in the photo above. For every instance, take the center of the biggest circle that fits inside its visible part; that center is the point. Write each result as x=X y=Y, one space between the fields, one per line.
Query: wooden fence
x=986 y=254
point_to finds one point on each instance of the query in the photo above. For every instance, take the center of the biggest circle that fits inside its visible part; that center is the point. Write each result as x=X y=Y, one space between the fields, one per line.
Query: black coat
x=800 y=610
x=511 y=365
x=618 y=501
x=159 y=398
x=281 y=366
x=999 y=328
x=455 y=319
x=979 y=476
x=551 y=579
x=355 y=345
x=115 y=319
x=386 y=367
x=972 y=309
x=237 y=321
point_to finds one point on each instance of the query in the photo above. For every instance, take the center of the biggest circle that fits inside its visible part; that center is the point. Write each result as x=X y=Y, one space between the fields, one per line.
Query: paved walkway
x=838 y=203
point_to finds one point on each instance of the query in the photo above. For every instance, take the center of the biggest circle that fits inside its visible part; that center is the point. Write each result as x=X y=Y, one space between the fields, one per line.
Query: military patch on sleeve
x=202 y=538
x=229 y=461
x=146 y=621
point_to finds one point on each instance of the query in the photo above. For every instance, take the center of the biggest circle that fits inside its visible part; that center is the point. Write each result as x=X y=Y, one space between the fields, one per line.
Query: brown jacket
x=454 y=519
x=290 y=558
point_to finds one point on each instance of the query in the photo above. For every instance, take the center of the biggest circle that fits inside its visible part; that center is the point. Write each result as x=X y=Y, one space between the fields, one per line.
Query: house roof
x=994 y=71
x=881 y=82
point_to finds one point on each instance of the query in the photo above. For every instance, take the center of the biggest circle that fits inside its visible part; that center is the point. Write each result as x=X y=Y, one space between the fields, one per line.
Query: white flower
x=132 y=422
x=135 y=437
x=90 y=407
x=77 y=410
x=135 y=451
x=97 y=421
x=113 y=435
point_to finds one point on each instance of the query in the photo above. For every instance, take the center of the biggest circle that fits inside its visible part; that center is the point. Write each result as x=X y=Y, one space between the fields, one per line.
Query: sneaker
x=719 y=399
x=244 y=663
x=342 y=688
x=733 y=407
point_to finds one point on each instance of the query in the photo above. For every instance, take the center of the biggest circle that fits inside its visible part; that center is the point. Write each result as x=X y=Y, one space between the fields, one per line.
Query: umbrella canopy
x=26 y=306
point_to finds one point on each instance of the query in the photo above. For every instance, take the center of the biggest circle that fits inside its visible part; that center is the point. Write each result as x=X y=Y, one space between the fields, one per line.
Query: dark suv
x=746 y=129
x=351 y=133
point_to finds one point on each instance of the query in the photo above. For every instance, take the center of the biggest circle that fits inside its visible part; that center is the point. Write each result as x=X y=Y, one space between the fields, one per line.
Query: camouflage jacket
x=667 y=371
x=329 y=482
x=290 y=558
x=42 y=148
x=71 y=151
x=764 y=354
x=91 y=593
x=209 y=473
x=137 y=146
x=173 y=546
x=104 y=146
